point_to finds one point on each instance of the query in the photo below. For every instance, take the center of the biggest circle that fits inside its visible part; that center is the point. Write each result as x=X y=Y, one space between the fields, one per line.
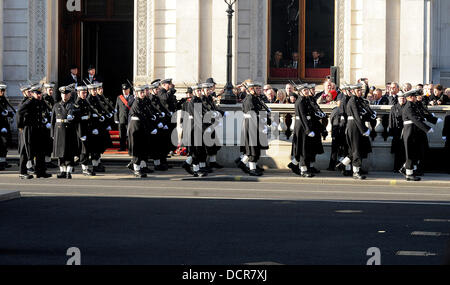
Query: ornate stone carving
x=340 y=36
x=37 y=40
x=144 y=41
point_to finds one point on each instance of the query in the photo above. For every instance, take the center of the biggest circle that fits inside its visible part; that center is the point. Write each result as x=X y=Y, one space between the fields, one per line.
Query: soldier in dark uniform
x=48 y=98
x=395 y=131
x=64 y=134
x=445 y=137
x=6 y=112
x=306 y=142
x=187 y=122
x=101 y=139
x=141 y=128
x=83 y=126
x=197 y=110
x=427 y=116
x=254 y=131
x=123 y=106
x=32 y=125
x=163 y=136
x=413 y=130
x=357 y=133
x=339 y=147
x=216 y=114
x=168 y=99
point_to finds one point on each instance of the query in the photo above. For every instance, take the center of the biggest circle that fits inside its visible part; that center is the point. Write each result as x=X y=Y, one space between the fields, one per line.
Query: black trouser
x=40 y=163
x=123 y=135
x=66 y=161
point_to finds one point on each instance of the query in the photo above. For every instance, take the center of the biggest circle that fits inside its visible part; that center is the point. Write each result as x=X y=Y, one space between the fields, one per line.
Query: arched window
x=301 y=39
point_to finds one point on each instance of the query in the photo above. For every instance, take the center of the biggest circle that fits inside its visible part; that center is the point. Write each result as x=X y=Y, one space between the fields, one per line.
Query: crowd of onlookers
x=433 y=94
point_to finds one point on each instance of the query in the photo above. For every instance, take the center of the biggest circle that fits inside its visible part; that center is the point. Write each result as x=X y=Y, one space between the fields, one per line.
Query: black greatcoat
x=413 y=133
x=32 y=131
x=64 y=133
x=208 y=101
x=303 y=146
x=139 y=129
x=359 y=145
x=396 y=127
x=252 y=136
x=100 y=142
x=83 y=125
x=5 y=138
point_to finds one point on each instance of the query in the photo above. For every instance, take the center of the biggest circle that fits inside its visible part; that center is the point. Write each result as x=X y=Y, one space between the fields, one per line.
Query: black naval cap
x=211 y=80
x=156 y=81
x=189 y=90
x=126 y=86
x=166 y=81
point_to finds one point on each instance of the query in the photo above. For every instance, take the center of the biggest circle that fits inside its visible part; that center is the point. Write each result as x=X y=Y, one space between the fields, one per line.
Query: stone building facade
x=384 y=40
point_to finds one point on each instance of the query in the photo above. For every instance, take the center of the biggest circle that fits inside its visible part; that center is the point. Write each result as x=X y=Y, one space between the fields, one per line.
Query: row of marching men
x=151 y=126
x=75 y=129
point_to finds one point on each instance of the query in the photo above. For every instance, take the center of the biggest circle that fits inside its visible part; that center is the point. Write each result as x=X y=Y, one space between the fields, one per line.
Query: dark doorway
x=109 y=47
x=101 y=34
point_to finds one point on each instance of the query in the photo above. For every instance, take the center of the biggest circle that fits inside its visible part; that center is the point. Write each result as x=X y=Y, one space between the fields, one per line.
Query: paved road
x=165 y=220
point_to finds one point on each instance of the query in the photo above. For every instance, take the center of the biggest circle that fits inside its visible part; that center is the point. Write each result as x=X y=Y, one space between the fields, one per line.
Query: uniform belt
x=95 y=115
x=84 y=118
x=307 y=117
x=342 y=118
x=62 y=120
x=408 y=122
x=352 y=118
x=191 y=117
x=135 y=119
x=247 y=116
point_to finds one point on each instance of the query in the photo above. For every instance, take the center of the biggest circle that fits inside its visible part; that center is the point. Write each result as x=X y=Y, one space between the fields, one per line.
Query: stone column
x=414 y=41
x=374 y=41
x=188 y=42
x=52 y=41
x=143 y=40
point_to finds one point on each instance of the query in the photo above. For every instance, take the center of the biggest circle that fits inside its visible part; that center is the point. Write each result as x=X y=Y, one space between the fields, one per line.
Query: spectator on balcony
x=316 y=60
x=419 y=86
x=445 y=98
x=436 y=95
x=328 y=99
x=294 y=62
x=406 y=87
x=387 y=90
x=427 y=93
x=277 y=60
x=270 y=96
x=379 y=99
x=393 y=93
x=281 y=97
x=327 y=87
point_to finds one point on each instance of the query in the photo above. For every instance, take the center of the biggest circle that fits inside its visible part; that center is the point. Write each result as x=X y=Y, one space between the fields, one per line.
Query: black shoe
x=254 y=172
x=243 y=167
x=418 y=173
x=200 y=173
x=294 y=168
x=31 y=171
x=307 y=174
x=314 y=170
x=26 y=176
x=43 y=175
x=215 y=165
x=100 y=168
x=69 y=175
x=204 y=171
x=207 y=169
x=403 y=170
x=140 y=174
x=340 y=166
x=236 y=161
x=88 y=172
x=187 y=167
x=363 y=172
x=61 y=175
x=130 y=166
x=358 y=176
x=347 y=173
x=161 y=167
x=50 y=165
x=259 y=168
x=146 y=170
x=412 y=178
x=2 y=167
